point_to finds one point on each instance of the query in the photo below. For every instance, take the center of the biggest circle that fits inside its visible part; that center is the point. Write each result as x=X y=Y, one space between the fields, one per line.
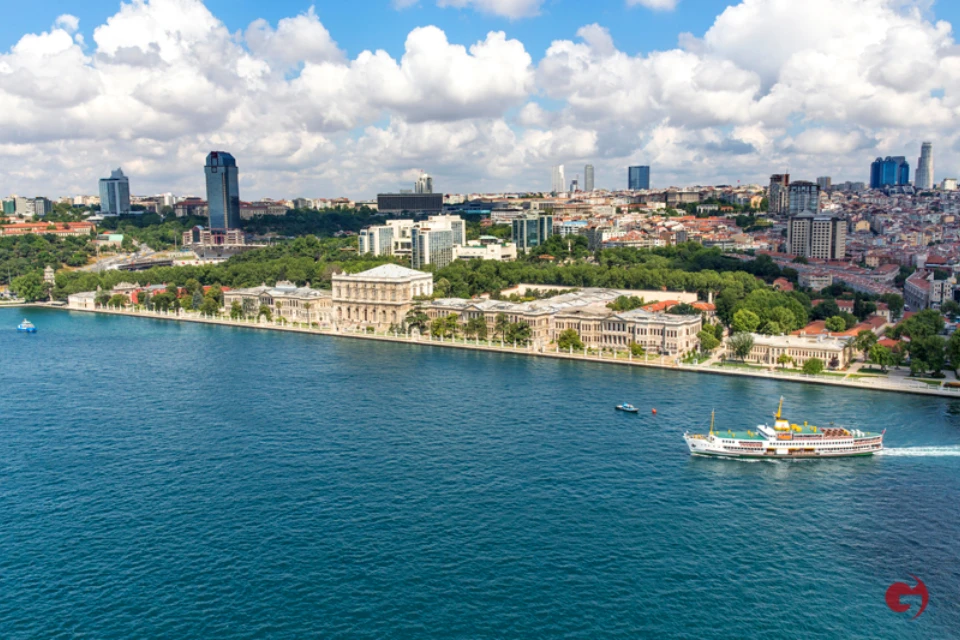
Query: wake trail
x=922 y=452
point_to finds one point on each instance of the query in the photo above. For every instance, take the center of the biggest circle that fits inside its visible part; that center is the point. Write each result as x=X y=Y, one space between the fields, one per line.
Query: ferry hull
x=782 y=456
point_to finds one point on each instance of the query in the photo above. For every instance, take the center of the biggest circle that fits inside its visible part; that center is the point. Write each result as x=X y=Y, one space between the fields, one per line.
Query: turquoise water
x=163 y=480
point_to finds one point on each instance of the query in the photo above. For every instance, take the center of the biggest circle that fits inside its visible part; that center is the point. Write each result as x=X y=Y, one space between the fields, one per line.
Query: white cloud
x=656 y=5
x=163 y=81
x=512 y=9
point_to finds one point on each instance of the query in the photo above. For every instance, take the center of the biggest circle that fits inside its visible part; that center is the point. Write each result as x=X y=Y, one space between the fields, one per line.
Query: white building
x=558 y=183
x=501 y=252
x=424 y=184
x=379 y=297
x=285 y=300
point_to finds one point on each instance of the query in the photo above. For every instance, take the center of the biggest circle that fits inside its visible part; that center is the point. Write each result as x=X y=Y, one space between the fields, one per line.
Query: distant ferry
x=785 y=440
x=26 y=327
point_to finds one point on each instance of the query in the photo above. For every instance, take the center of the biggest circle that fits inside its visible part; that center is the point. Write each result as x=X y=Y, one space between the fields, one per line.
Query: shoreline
x=923 y=389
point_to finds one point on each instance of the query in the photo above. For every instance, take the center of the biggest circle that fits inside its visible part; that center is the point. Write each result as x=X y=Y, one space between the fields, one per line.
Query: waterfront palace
x=379 y=297
x=285 y=300
x=586 y=312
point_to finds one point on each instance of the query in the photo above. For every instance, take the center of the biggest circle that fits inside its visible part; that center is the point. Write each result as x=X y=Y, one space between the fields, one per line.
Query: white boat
x=26 y=327
x=785 y=440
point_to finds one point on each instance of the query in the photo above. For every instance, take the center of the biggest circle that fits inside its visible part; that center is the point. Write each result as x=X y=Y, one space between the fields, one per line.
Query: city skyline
x=313 y=116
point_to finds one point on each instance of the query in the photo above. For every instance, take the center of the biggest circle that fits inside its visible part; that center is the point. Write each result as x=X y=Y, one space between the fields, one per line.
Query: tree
x=264 y=310
x=917 y=367
x=684 y=309
x=500 y=325
x=209 y=307
x=881 y=356
x=29 y=287
x=236 y=310
x=931 y=350
x=637 y=350
x=626 y=303
x=101 y=299
x=518 y=332
x=476 y=327
x=708 y=340
x=783 y=360
x=783 y=317
x=836 y=324
x=813 y=366
x=569 y=338
x=196 y=299
x=144 y=298
x=741 y=344
x=894 y=302
x=864 y=341
x=771 y=328
x=118 y=300
x=416 y=317
x=950 y=308
x=163 y=301
x=192 y=285
x=745 y=321
x=953 y=350
x=925 y=323
x=826 y=309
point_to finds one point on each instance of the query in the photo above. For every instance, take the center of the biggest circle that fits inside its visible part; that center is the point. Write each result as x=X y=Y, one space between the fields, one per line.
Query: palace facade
x=379 y=297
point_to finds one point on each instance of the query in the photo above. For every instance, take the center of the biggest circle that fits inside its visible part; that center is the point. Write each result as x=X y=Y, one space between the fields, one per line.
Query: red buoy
x=654 y=412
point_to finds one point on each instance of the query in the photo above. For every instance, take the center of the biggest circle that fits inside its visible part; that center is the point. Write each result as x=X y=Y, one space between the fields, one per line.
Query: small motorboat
x=26 y=327
x=626 y=407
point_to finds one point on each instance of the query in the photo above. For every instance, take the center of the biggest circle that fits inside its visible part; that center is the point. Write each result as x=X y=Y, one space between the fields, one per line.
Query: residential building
x=767 y=350
x=498 y=251
x=223 y=191
x=638 y=178
x=922 y=290
x=190 y=207
x=825 y=183
x=557 y=181
x=250 y=210
x=804 y=196
x=115 y=194
x=817 y=236
x=203 y=237
x=888 y=172
x=285 y=300
x=588 y=178
x=924 y=177
x=53 y=228
x=815 y=280
x=409 y=203
x=948 y=184
x=379 y=297
x=424 y=184
x=41 y=206
x=778 y=197
x=532 y=230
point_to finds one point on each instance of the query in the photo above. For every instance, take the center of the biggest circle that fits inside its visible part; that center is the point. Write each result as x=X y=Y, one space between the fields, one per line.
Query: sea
x=177 y=480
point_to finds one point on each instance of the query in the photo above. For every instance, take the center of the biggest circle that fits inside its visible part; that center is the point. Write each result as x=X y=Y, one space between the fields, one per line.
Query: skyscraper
x=223 y=191
x=804 y=197
x=924 y=178
x=891 y=171
x=558 y=183
x=588 y=178
x=638 y=178
x=532 y=230
x=778 y=197
x=424 y=184
x=115 y=194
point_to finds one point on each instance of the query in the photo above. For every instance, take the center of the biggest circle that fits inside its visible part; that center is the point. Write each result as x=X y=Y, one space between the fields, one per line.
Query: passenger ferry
x=785 y=440
x=26 y=327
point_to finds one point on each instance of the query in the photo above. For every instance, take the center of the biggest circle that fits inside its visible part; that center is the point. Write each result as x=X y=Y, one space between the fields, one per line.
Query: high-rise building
x=574 y=185
x=925 y=167
x=223 y=191
x=638 y=178
x=115 y=194
x=825 y=183
x=532 y=231
x=42 y=206
x=804 y=197
x=817 y=236
x=558 y=183
x=892 y=171
x=778 y=196
x=588 y=178
x=424 y=184
x=431 y=246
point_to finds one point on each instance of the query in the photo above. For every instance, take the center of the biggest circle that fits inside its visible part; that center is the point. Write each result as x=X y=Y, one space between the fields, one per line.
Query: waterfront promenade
x=607 y=357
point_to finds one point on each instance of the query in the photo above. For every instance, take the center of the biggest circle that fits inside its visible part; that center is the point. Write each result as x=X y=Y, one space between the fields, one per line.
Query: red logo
x=900 y=589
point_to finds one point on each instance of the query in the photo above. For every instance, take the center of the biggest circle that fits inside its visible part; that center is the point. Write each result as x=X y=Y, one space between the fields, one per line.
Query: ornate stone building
x=285 y=300
x=379 y=297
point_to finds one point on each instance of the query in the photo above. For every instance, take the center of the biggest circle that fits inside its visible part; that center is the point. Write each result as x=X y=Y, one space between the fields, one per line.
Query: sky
x=355 y=98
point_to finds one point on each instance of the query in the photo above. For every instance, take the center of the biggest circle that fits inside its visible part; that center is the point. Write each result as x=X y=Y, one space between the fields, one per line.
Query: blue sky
x=819 y=86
